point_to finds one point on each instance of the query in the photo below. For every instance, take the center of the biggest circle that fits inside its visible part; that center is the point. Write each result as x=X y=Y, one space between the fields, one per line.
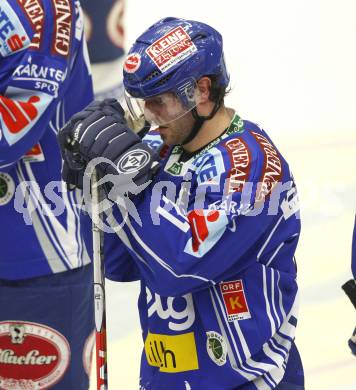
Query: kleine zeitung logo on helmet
x=170 y=49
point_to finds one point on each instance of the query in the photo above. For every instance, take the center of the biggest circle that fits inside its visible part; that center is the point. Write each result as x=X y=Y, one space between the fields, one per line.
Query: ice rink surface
x=293 y=71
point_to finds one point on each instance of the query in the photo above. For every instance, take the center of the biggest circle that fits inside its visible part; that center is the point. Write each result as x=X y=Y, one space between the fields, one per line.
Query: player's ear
x=204 y=85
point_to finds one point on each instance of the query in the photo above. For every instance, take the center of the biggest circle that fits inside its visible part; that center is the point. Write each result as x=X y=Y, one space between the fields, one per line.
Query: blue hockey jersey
x=213 y=242
x=44 y=79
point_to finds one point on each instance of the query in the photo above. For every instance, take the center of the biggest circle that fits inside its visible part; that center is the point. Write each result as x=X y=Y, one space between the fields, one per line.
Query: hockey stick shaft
x=99 y=289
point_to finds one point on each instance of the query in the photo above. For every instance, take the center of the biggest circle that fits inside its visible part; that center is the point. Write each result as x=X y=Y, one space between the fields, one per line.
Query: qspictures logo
x=32 y=356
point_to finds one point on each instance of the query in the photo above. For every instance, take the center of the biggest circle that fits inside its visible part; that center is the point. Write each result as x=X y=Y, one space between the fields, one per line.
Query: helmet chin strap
x=199 y=121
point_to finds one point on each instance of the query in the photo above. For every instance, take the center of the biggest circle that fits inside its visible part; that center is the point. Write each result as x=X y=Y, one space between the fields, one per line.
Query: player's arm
x=177 y=251
x=183 y=252
x=33 y=77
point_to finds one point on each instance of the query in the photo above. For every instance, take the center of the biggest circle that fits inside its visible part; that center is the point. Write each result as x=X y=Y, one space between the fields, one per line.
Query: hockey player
x=46 y=309
x=350 y=288
x=213 y=232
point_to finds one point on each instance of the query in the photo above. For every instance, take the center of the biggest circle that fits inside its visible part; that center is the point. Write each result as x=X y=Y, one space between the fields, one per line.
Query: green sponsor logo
x=216 y=348
x=175 y=169
x=177 y=150
x=237 y=126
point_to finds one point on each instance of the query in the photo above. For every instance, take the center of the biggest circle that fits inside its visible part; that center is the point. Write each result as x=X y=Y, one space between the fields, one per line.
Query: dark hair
x=217 y=91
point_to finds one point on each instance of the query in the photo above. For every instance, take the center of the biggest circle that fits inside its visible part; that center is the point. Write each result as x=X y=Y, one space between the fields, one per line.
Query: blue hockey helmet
x=171 y=55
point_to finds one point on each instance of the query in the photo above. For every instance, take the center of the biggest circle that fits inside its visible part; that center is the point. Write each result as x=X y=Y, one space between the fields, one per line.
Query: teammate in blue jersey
x=350 y=288
x=210 y=220
x=46 y=313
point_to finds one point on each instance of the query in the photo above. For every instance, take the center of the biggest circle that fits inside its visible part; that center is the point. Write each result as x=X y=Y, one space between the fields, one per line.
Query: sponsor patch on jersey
x=133 y=161
x=38 y=73
x=62 y=27
x=272 y=167
x=176 y=168
x=13 y=36
x=240 y=164
x=33 y=9
x=207 y=227
x=19 y=112
x=32 y=356
x=132 y=63
x=234 y=300
x=7 y=188
x=172 y=353
x=216 y=347
x=170 y=49
x=178 y=312
x=35 y=154
x=209 y=165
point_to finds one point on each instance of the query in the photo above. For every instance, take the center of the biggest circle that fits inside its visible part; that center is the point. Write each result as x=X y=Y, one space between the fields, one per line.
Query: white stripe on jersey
x=73 y=204
x=269 y=238
x=7 y=165
x=230 y=353
x=65 y=239
x=273 y=299
x=123 y=236
x=280 y=296
x=275 y=254
x=268 y=307
x=160 y=261
x=77 y=201
x=249 y=373
x=42 y=231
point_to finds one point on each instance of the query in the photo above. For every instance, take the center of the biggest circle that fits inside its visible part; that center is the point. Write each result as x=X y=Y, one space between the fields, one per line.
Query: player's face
x=163 y=109
x=173 y=119
x=177 y=131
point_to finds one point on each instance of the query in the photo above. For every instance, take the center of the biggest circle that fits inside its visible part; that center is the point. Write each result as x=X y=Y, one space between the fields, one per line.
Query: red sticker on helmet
x=132 y=63
x=32 y=356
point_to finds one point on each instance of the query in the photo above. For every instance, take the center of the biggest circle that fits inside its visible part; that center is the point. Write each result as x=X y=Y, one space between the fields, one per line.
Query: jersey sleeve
x=119 y=264
x=35 y=59
x=223 y=228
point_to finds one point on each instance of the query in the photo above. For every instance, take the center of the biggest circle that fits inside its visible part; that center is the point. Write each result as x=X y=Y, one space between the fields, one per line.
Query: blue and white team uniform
x=45 y=290
x=214 y=249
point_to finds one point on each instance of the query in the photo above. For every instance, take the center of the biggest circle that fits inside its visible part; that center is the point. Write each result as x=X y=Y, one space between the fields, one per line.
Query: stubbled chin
x=161 y=130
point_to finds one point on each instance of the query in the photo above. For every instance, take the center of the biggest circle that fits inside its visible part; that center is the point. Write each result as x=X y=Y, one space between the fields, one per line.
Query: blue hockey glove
x=100 y=130
x=350 y=290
